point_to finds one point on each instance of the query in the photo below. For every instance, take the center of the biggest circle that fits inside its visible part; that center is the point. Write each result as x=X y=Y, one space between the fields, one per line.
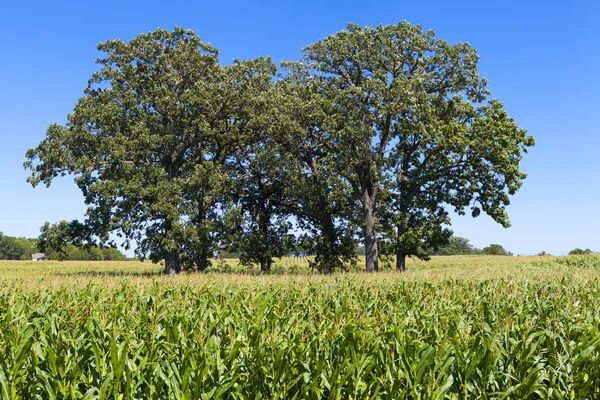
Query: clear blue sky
x=541 y=58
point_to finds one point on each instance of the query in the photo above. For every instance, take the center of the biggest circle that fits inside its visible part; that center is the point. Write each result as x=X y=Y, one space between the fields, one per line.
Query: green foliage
x=148 y=140
x=83 y=253
x=55 y=246
x=411 y=129
x=456 y=246
x=374 y=132
x=279 y=337
x=318 y=196
x=259 y=204
x=54 y=238
x=128 y=140
x=579 y=251
x=495 y=250
x=66 y=241
x=13 y=248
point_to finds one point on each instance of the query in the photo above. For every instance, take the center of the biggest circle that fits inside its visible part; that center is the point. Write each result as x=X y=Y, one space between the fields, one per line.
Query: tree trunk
x=202 y=262
x=172 y=263
x=265 y=258
x=400 y=253
x=328 y=230
x=370 y=232
x=265 y=266
x=400 y=261
x=172 y=258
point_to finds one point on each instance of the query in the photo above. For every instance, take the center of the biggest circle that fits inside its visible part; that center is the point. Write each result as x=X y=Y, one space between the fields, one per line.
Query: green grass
x=457 y=327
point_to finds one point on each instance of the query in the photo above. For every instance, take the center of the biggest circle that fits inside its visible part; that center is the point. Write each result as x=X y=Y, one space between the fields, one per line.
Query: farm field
x=455 y=327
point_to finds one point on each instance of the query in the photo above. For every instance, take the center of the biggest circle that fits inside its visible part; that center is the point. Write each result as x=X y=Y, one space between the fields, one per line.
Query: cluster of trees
x=579 y=251
x=371 y=137
x=70 y=252
x=18 y=248
x=460 y=246
x=495 y=250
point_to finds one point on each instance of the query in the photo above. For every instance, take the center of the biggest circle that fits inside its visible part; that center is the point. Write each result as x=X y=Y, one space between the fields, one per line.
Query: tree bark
x=265 y=265
x=265 y=259
x=329 y=231
x=172 y=258
x=202 y=262
x=400 y=261
x=400 y=253
x=370 y=232
x=172 y=262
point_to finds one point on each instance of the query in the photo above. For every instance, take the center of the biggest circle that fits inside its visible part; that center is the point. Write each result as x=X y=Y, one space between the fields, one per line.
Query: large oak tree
x=413 y=130
x=148 y=140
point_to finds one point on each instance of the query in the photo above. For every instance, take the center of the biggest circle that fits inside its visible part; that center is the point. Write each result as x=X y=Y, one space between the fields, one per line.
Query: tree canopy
x=456 y=246
x=579 y=251
x=414 y=132
x=373 y=136
x=495 y=250
x=14 y=248
x=148 y=140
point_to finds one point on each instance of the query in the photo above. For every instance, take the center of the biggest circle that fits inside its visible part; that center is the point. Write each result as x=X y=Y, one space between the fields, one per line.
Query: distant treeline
x=578 y=252
x=19 y=248
x=461 y=246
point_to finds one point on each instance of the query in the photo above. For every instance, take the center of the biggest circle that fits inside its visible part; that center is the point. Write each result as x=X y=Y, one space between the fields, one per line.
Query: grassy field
x=456 y=327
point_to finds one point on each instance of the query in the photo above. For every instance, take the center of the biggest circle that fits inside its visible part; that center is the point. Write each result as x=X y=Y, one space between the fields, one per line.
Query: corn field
x=518 y=329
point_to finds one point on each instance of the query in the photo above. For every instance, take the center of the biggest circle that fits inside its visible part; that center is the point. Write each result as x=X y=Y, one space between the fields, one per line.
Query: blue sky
x=541 y=58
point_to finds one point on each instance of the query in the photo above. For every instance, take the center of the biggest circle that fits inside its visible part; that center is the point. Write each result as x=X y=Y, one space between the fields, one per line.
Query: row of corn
x=342 y=338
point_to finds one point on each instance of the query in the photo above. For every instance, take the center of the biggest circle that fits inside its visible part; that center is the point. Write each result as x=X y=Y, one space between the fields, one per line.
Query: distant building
x=38 y=257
